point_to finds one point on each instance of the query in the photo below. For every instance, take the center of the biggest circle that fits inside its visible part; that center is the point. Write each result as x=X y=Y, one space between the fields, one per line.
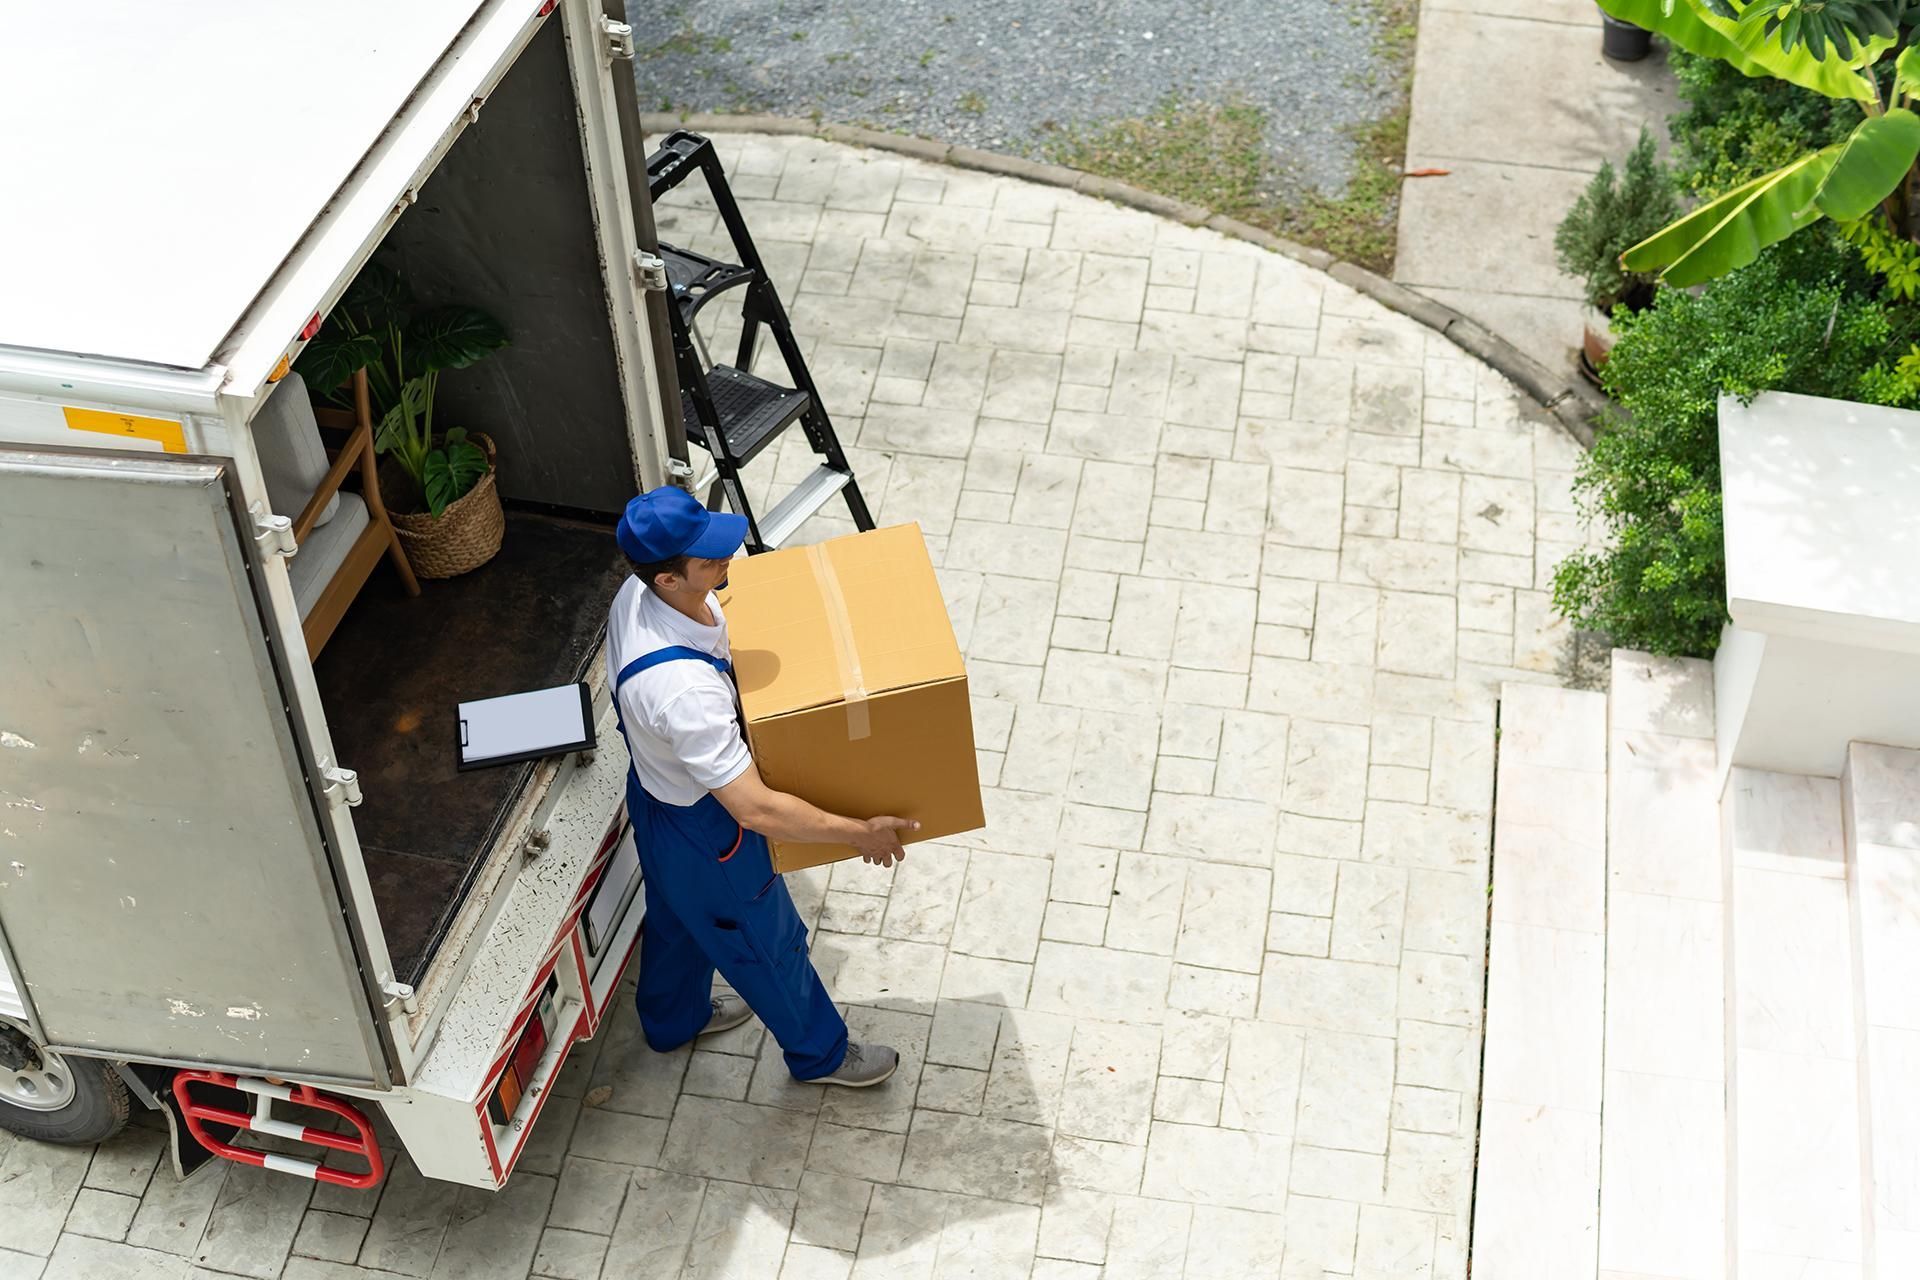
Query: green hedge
x=1808 y=317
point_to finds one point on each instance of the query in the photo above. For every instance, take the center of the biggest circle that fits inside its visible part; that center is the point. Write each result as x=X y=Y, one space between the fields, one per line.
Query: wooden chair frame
x=377 y=539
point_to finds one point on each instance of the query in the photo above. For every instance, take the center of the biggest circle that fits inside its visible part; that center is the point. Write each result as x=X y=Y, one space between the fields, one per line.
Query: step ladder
x=731 y=412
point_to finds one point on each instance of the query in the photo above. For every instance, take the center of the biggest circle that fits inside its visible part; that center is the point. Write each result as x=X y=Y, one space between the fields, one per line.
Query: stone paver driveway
x=1238 y=559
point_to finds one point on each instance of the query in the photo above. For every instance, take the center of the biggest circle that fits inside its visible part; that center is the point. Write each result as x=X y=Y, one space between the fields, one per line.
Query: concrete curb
x=1570 y=401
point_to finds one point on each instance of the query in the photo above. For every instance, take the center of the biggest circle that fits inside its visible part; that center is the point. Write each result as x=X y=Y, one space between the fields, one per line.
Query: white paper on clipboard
x=525 y=726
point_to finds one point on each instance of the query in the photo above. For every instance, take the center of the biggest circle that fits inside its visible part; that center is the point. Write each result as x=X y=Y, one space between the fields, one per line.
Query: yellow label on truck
x=171 y=436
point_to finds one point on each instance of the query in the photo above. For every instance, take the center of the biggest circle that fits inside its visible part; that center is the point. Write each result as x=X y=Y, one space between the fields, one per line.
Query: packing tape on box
x=853 y=684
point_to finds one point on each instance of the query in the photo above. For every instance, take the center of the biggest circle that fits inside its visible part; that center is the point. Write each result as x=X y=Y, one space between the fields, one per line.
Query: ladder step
x=752 y=411
x=694 y=278
x=805 y=498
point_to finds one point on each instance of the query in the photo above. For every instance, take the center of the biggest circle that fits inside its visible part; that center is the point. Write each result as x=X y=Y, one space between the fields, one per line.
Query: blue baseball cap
x=668 y=522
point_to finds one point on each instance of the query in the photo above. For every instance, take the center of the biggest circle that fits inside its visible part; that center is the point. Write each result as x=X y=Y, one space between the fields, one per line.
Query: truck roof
x=164 y=160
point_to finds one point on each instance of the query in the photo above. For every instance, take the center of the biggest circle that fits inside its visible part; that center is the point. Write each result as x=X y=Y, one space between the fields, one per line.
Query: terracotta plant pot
x=464 y=536
x=1595 y=342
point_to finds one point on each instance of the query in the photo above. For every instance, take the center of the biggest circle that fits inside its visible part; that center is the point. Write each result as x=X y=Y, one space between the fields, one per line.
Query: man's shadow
x=951 y=1158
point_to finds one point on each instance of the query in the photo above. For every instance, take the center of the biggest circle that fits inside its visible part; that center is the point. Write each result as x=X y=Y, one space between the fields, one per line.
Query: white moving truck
x=223 y=860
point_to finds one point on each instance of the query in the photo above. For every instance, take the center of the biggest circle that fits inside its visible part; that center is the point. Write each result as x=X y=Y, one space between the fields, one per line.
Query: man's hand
x=789 y=819
x=879 y=842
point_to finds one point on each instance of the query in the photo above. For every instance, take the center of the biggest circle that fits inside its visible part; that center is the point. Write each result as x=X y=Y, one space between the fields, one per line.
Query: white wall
x=1792 y=705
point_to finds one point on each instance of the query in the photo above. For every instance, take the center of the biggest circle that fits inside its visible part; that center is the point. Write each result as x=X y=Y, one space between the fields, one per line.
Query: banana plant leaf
x=1730 y=232
x=1906 y=70
x=1872 y=162
x=1749 y=50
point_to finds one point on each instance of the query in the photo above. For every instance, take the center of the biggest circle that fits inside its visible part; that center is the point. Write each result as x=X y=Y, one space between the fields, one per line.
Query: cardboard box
x=852 y=687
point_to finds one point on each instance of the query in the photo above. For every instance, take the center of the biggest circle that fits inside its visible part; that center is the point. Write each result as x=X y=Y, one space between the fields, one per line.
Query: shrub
x=1612 y=215
x=1805 y=317
x=1735 y=127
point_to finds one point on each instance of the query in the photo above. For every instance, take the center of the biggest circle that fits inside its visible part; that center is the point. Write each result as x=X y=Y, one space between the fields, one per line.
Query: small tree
x=1833 y=47
x=1614 y=213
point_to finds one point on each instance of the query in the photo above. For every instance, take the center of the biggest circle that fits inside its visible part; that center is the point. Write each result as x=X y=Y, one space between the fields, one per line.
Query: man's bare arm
x=788 y=818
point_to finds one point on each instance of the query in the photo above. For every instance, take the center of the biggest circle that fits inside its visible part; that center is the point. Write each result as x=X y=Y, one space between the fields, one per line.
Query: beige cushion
x=319 y=557
x=292 y=458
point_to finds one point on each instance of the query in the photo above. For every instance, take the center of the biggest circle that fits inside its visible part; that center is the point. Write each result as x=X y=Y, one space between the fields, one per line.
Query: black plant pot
x=1622 y=41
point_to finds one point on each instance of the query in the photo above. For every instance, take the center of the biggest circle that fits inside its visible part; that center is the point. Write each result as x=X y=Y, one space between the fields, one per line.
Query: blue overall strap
x=672 y=653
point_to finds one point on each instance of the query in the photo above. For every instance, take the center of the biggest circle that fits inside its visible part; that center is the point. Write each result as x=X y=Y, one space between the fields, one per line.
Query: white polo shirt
x=683 y=728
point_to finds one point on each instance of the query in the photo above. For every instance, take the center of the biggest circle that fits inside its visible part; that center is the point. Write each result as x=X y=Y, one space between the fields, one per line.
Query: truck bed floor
x=392 y=676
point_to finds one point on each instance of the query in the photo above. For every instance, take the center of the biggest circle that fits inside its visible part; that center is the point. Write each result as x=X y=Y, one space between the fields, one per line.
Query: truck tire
x=53 y=1098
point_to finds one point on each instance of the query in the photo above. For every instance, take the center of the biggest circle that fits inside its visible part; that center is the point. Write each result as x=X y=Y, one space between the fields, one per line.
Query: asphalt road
x=1008 y=75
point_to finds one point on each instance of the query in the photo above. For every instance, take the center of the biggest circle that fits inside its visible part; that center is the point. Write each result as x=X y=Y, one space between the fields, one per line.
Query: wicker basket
x=464 y=536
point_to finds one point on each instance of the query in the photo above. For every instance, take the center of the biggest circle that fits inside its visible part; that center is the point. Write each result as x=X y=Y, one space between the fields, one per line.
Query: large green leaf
x=1906 y=70
x=334 y=356
x=1730 y=232
x=451 y=473
x=453 y=337
x=400 y=428
x=378 y=298
x=1871 y=164
x=1748 y=49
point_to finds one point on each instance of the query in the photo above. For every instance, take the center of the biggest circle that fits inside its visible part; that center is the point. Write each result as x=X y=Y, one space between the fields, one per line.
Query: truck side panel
x=167 y=894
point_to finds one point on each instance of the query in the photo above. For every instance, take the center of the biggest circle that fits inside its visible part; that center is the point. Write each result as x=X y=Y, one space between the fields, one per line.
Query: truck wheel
x=43 y=1095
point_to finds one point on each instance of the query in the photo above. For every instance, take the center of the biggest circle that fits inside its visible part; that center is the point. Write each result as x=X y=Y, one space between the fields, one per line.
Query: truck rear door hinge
x=399 y=993
x=652 y=269
x=273 y=534
x=340 y=786
x=619 y=38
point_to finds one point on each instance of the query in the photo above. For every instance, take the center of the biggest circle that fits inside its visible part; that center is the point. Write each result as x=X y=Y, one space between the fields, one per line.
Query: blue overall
x=714 y=901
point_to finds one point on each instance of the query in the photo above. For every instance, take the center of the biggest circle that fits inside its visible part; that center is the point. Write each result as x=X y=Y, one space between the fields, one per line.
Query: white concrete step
x=1794 y=1098
x=1881 y=793
x=1538 y=1183
x=1663 y=1154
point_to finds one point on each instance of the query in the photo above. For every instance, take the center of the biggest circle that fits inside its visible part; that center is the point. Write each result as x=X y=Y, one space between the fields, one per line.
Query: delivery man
x=702 y=816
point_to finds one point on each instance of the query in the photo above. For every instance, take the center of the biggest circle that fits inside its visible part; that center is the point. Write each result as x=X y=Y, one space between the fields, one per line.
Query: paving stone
x=1287 y=601
x=331 y=1237
x=83 y=1258
x=1262 y=1085
x=104 y=1215
x=1184 y=1163
x=569 y=1255
x=254 y=1221
x=1326 y=770
x=1223 y=925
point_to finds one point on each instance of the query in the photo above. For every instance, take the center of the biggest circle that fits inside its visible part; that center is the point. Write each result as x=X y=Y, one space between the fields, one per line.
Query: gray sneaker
x=865 y=1066
x=728 y=1013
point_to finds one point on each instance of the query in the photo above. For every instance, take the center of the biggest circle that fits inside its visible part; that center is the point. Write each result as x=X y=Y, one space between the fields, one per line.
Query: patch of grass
x=972 y=103
x=1205 y=153
x=687 y=42
x=926 y=59
x=1215 y=154
x=1361 y=224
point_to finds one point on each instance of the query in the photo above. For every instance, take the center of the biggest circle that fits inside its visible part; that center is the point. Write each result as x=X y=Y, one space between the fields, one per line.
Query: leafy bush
x=1735 y=127
x=1612 y=215
x=1806 y=317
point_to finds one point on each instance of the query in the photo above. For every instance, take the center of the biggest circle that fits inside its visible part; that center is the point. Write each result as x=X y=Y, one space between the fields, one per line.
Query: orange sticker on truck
x=171 y=436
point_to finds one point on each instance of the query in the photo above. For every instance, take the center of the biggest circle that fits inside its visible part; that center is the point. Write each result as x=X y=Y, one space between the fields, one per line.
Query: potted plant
x=1622 y=41
x=443 y=499
x=1614 y=213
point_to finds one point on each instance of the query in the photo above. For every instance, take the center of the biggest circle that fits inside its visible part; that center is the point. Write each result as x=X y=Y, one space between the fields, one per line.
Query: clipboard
x=524 y=726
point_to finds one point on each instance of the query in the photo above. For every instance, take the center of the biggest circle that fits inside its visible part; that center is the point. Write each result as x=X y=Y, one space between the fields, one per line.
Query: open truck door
x=170 y=889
